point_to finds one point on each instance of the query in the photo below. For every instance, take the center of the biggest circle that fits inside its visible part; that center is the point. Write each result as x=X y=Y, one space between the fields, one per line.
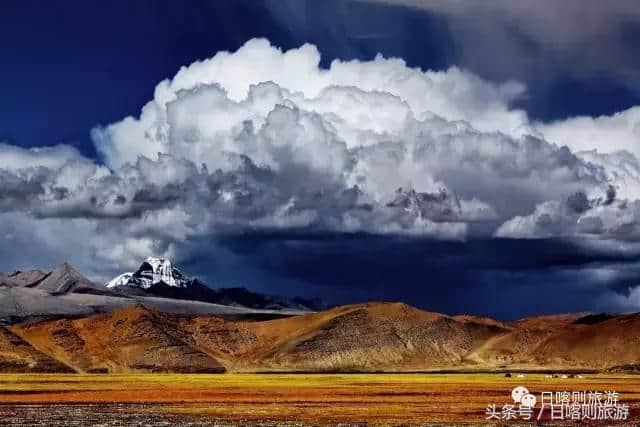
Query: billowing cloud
x=13 y=158
x=382 y=93
x=617 y=132
x=333 y=149
x=578 y=216
x=264 y=140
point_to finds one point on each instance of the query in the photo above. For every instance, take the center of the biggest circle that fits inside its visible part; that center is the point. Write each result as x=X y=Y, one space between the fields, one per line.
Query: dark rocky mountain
x=63 y=279
x=159 y=277
x=241 y=297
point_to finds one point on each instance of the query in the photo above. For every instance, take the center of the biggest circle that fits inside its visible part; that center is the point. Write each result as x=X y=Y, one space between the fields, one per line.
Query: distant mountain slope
x=7 y=282
x=65 y=279
x=64 y=292
x=27 y=278
x=18 y=305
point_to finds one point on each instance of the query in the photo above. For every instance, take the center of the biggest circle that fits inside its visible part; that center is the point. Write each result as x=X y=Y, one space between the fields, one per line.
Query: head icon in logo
x=518 y=392
x=528 y=400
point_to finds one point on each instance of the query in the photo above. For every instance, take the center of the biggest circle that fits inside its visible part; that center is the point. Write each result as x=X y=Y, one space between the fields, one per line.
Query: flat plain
x=280 y=399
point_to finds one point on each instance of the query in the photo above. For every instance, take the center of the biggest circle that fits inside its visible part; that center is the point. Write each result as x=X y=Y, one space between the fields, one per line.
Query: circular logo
x=518 y=392
x=528 y=400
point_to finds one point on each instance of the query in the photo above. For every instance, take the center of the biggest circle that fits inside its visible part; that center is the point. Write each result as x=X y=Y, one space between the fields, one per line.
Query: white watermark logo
x=560 y=405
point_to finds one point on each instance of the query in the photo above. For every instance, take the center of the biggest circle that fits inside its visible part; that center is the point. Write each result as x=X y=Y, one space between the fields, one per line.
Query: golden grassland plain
x=302 y=398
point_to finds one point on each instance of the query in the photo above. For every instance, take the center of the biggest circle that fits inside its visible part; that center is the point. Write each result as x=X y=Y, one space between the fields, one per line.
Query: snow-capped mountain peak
x=151 y=272
x=157 y=277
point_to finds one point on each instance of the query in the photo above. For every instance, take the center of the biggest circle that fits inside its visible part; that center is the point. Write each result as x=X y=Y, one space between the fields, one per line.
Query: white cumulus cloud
x=262 y=139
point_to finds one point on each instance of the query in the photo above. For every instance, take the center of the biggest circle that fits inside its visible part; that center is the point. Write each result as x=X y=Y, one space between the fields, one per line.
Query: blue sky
x=71 y=65
x=491 y=169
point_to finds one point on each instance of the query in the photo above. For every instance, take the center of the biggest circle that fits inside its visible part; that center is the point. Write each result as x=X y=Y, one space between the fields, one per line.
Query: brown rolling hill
x=17 y=355
x=127 y=340
x=362 y=337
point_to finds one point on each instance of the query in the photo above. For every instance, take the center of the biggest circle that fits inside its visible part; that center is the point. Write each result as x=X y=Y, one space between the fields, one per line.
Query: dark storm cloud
x=544 y=42
x=579 y=202
x=18 y=190
x=549 y=26
x=501 y=277
x=556 y=48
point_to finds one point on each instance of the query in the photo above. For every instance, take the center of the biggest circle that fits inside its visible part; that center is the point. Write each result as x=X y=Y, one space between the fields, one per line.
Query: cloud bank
x=536 y=39
x=264 y=140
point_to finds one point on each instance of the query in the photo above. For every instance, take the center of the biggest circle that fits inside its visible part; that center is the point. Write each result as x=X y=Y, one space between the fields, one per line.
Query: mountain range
x=157 y=319
x=64 y=292
x=369 y=337
x=159 y=277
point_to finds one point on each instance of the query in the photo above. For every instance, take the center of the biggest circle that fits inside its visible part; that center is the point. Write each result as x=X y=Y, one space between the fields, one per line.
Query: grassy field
x=297 y=398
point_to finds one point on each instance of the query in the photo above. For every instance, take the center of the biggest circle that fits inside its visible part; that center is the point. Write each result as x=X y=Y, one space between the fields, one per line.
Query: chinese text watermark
x=560 y=405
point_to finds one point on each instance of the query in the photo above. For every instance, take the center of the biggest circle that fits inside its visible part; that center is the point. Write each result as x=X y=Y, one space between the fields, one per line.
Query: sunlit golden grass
x=313 y=398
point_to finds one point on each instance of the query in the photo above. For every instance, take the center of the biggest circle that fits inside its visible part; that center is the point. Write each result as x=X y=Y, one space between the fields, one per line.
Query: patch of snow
x=162 y=271
x=121 y=280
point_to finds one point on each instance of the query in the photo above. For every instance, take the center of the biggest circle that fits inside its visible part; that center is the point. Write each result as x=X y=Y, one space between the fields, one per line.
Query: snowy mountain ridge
x=159 y=278
x=151 y=272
